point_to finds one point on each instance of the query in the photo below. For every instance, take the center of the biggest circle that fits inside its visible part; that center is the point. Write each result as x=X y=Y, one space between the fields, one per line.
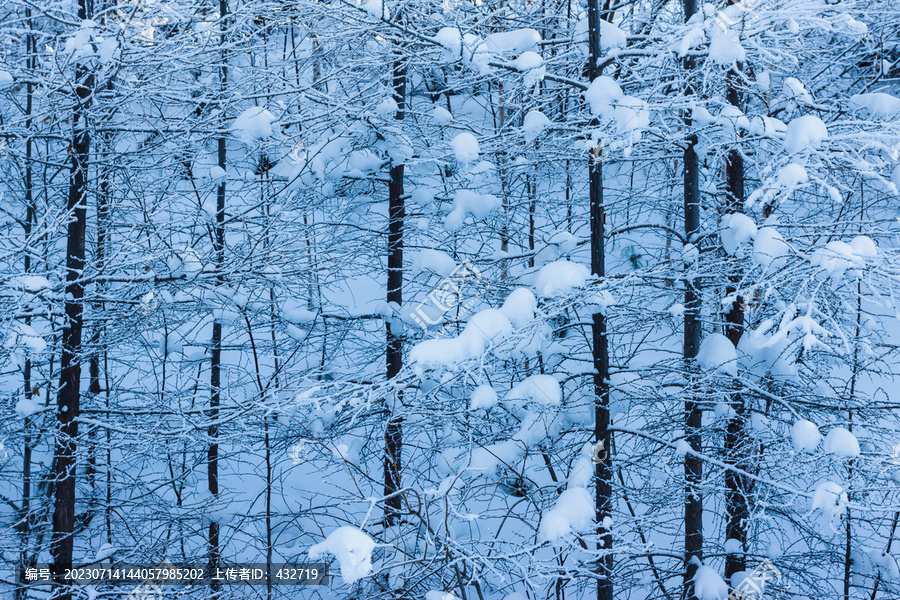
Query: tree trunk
x=693 y=467
x=600 y=348
x=393 y=435
x=215 y=369
x=736 y=486
x=69 y=397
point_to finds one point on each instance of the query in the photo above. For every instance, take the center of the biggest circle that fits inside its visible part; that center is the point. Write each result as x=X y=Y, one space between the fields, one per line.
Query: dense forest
x=464 y=299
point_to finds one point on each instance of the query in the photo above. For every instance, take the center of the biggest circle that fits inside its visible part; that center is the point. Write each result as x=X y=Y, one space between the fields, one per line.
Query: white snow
x=831 y=499
x=387 y=107
x=560 y=277
x=534 y=123
x=527 y=60
x=20 y=333
x=725 y=48
x=805 y=436
x=483 y=396
x=841 y=442
x=542 y=389
x=29 y=283
x=733 y=546
x=373 y=7
x=353 y=550
x=449 y=38
x=791 y=175
x=5 y=79
x=467 y=202
x=737 y=228
x=483 y=328
x=516 y=41
x=796 y=91
x=718 y=354
x=708 y=585
x=693 y=38
x=768 y=246
x=442 y=115
x=295 y=311
x=573 y=512
x=877 y=104
x=601 y=95
x=465 y=148
x=439 y=595
x=804 y=133
x=835 y=258
x=433 y=261
x=26 y=407
x=253 y=124
x=631 y=114
x=519 y=307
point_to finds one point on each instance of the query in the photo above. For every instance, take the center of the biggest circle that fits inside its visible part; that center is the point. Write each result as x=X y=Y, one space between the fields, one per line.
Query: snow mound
x=253 y=124
x=831 y=499
x=519 y=307
x=467 y=202
x=804 y=133
x=726 y=49
x=718 y=354
x=534 y=123
x=841 y=442
x=481 y=331
x=451 y=41
x=877 y=104
x=438 y=595
x=573 y=512
x=465 y=148
x=527 y=60
x=601 y=95
x=542 y=389
x=433 y=261
x=560 y=277
x=708 y=585
x=442 y=115
x=295 y=311
x=805 y=436
x=483 y=396
x=737 y=228
x=516 y=41
x=836 y=257
x=768 y=246
x=29 y=283
x=353 y=550
x=26 y=407
x=795 y=90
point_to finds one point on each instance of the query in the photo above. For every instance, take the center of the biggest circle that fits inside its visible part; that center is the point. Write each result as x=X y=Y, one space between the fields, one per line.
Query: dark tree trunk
x=600 y=347
x=25 y=557
x=393 y=435
x=736 y=505
x=693 y=467
x=69 y=397
x=215 y=369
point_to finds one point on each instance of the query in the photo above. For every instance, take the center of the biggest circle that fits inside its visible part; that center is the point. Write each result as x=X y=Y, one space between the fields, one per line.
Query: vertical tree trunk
x=393 y=439
x=693 y=467
x=68 y=399
x=736 y=485
x=25 y=516
x=215 y=369
x=600 y=348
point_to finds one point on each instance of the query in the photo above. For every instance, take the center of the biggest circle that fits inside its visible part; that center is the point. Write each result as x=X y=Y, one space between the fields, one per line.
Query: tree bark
x=393 y=435
x=693 y=467
x=69 y=396
x=215 y=370
x=737 y=510
x=600 y=344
